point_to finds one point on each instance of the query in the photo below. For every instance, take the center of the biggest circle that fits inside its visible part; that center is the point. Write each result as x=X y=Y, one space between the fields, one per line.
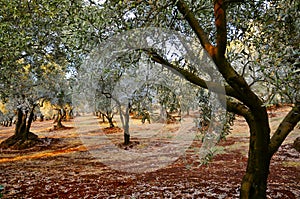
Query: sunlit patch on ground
x=65 y=169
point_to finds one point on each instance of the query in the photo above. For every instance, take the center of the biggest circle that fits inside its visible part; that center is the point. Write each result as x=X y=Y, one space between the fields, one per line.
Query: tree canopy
x=253 y=44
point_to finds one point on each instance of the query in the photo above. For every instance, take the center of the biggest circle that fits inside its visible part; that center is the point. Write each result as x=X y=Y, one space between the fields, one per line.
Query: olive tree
x=215 y=24
x=32 y=40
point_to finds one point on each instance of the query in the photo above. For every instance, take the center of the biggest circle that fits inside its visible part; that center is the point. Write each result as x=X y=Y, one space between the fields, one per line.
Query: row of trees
x=253 y=44
x=33 y=62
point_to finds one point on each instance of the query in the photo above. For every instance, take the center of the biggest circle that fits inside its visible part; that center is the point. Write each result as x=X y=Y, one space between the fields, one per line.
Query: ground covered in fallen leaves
x=62 y=167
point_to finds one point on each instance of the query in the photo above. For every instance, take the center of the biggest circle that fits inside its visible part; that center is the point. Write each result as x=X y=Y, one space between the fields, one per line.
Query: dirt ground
x=62 y=167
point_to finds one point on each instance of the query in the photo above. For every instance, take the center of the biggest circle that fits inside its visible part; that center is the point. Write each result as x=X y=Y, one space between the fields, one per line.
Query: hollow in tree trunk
x=22 y=138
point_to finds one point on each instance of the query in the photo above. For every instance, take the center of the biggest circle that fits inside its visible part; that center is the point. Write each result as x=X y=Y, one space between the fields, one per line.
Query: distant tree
x=31 y=42
x=263 y=27
x=105 y=107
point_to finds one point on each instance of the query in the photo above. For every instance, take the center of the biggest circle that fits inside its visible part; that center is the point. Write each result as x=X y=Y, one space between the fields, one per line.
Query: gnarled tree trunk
x=22 y=138
x=59 y=118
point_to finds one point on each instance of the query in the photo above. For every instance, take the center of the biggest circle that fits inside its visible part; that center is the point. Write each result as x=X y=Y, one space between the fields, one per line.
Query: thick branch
x=190 y=76
x=239 y=88
x=193 y=22
x=239 y=85
x=240 y=109
x=285 y=127
x=220 y=22
x=237 y=82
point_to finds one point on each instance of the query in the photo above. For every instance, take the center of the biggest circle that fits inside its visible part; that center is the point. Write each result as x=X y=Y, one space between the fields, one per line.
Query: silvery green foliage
x=265 y=48
x=262 y=37
x=32 y=47
x=121 y=70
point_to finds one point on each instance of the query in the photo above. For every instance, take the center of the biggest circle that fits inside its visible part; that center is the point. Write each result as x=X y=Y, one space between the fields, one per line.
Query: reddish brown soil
x=109 y=130
x=63 y=168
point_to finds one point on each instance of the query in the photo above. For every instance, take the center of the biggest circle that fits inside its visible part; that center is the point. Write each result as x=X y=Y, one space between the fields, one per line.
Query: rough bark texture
x=261 y=148
x=254 y=183
x=59 y=119
x=22 y=138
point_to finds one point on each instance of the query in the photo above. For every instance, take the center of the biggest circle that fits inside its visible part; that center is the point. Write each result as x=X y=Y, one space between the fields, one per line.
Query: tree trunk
x=71 y=114
x=21 y=124
x=254 y=183
x=126 y=139
x=10 y=121
x=126 y=127
x=68 y=116
x=103 y=118
x=22 y=138
x=110 y=121
x=30 y=120
x=41 y=118
x=59 y=119
x=163 y=113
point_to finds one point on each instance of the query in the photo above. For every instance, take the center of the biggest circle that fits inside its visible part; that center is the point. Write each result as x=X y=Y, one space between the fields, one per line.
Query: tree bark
x=30 y=120
x=103 y=118
x=261 y=148
x=109 y=116
x=254 y=183
x=110 y=121
x=59 y=119
x=126 y=139
x=22 y=137
x=126 y=127
x=21 y=123
x=10 y=121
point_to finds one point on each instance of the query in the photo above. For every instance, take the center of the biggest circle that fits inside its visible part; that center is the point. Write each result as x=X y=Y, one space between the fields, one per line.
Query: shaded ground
x=62 y=167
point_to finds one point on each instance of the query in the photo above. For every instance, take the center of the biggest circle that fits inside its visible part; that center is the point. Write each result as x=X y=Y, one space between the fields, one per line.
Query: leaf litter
x=65 y=169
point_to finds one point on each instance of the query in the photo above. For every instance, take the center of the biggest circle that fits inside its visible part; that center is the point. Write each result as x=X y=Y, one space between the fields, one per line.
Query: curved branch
x=191 y=77
x=193 y=22
x=285 y=127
